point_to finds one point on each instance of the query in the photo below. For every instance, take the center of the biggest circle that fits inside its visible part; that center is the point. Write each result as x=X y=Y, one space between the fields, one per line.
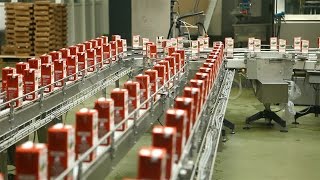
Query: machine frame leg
x=267 y=114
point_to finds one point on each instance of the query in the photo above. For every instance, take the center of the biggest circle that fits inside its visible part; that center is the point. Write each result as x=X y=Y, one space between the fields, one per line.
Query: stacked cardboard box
x=60 y=14
x=9 y=48
x=35 y=28
x=42 y=30
x=24 y=28
x=52 y=37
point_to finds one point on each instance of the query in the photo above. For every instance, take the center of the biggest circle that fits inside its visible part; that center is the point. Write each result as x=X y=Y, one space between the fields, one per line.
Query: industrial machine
x=272 y=70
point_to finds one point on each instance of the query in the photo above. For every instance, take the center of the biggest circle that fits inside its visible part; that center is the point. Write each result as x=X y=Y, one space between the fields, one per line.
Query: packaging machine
x=273 y=73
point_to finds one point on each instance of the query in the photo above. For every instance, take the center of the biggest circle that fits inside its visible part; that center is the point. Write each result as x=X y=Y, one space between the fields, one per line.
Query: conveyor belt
x=17 y=123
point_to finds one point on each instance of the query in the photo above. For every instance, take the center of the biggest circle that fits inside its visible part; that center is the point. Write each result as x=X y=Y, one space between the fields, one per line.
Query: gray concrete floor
x=262 y=152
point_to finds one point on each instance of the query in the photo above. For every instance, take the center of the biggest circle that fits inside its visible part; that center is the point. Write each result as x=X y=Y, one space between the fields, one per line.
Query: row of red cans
x=168 y=141
x=65 y=143
x=50 y=70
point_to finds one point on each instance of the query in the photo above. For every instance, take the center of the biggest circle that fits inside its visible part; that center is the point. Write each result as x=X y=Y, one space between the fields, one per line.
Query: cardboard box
x=88 y=45
x=65 y=53
x=167 y=66
x=82 y=63
x=120 y=45
x=182 y=56
x=14 y=88
x=86 y=132
x=55 y=55
x=273 y=43
x=159 y=40
x=134 y=96
x=205 y=78
x=251 y=43
x=177 y=60
x=215 y=64
x=31 y=83
x=172 y=63
x=144 y=43
x=99 y=41
x=35 y=63
x=47 y=77
x=5 y=72
x=121 y=109
x=31 y=161
x=46 y=58
x=153 y=80
x=297 y=44
x=193 y=93
x=135 y=41
x=180 y=42
x=201 y=85
x=99 y=55
x=152 y=51
x=147 y=52
x=82 y=47
x=125 y=46
x=257 y=45
x=105 y=39
x=170 y=50
x=201 y=44
x=165 y=137
x=61 y=150
x=91 y=60
x=174 y=42
x=213 y=70
x=304 y=46
x=74 y=50
x=60 y=72
x=21 y=66
x=161 y=73
x=282 y=45
x=114 y=50
x=105 y=108
x=210 y=73
x=116 y=37
x=106 y=53
x=152 y=163
x=72 y=67
x=94 y=43
x=186 y=103
x=177 y=118
x=144 y=81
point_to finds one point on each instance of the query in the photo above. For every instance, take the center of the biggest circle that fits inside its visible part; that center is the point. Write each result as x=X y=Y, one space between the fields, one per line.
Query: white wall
x=150 y=18
x=87 y=19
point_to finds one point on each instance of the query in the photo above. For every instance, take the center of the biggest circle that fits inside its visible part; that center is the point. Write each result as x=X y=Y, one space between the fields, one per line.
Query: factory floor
x=261 y=153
